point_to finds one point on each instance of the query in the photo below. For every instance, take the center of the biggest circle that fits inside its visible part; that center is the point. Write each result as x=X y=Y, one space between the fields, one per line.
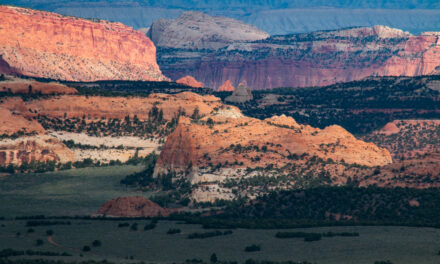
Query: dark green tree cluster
x=320 y=206
x=145 y=177
x=252 y=248
x=209 y=234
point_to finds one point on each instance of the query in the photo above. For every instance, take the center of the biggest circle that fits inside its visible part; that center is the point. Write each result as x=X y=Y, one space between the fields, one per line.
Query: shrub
x=213 y=258
x=123 y=225
x=134 y=227
x=96 y=243
x=86 y=249
x=308 y=237
x=252 y=248
x=150 y=226
x=312 y=237
x=208 y=234
x=376 y=171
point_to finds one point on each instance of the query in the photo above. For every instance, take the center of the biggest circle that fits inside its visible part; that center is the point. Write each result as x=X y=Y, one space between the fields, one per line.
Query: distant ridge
x=274 y=17
x=308 y=59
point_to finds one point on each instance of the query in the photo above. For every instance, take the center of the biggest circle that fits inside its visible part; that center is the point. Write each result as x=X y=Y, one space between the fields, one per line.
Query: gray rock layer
x=196 y=30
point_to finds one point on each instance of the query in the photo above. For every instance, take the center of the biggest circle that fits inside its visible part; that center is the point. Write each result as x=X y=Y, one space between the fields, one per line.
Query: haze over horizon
x=274 y=17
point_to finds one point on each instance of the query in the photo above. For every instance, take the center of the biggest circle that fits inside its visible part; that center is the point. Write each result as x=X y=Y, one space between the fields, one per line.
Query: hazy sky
x=272 y=16
x=277 y=4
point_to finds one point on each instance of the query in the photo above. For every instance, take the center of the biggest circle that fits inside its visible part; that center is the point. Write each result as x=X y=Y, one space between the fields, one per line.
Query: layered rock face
x=35 y=148
x=136 y=206
x=38 y=129
x=196 y=30
x=49 y=45
x=312 y=59
x=96 y=107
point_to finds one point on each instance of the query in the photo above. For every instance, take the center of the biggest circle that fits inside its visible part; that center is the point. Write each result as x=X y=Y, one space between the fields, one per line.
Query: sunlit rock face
x=190 y=81
x=195 y=145
x=43 y=44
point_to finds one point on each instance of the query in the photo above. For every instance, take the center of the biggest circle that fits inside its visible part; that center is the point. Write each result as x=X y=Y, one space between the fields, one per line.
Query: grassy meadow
x=70 y=192
x=83 y=191
x=403 y=245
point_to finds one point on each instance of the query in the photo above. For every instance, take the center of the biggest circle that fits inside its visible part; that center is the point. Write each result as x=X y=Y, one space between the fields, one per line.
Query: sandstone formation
x=190 y=81
x=226 y=87
x=222 y=151
x=23 y=123
x=43 y=44
x=272 y=140
x=97 y=107
x=135 y=206
x=196 y=30
x=33 y=148
x=12 y=122
x=240 y=95
x=309 y=59
x=25 y=86
x=408 y=138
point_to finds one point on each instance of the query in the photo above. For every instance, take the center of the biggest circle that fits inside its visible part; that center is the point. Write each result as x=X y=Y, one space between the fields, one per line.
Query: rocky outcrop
x=42 y=44
x=190 y=81
x=28 y=86
x=29 y=149
x=226 y=87
x=135 y=206
x=310 y=59
x=242 y=142
x=240 y=95
x=227 y=155
x=196 y=30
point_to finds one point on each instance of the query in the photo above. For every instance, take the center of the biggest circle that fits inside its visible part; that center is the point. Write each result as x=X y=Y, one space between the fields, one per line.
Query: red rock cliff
x=49 y=45
x=313 y=59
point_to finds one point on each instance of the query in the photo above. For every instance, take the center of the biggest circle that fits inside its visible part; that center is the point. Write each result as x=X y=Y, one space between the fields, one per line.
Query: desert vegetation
x=359 y=106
